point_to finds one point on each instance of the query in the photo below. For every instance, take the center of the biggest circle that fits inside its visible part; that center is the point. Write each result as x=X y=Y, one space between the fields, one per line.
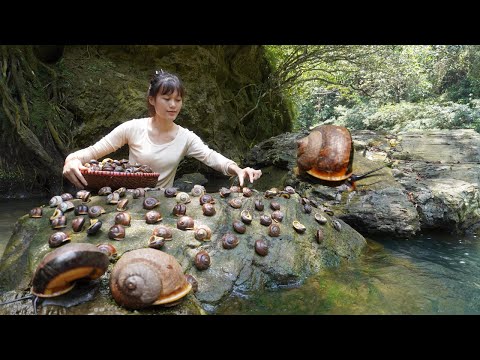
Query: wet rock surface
x=430 y=182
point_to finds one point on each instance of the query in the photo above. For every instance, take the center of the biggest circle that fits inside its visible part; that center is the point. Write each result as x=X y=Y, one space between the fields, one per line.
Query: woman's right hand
x=71 y=170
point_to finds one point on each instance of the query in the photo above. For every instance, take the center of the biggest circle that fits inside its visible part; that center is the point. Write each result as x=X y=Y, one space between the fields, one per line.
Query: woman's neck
x=162 y=125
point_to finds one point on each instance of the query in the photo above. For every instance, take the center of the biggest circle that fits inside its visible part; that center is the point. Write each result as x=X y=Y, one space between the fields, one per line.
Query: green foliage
x=405 y=116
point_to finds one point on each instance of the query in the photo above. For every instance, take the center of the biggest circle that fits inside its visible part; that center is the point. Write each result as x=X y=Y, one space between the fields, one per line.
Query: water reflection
x=427 y=275
x=10 y=211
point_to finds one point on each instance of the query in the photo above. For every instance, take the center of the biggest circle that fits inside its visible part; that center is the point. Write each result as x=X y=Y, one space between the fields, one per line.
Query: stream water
x=430 y=274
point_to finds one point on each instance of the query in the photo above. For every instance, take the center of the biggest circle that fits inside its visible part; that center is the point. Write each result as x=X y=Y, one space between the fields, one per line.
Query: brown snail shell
x=235 y=189
x=185 y=223
x=116 y=232
x=123 y=219
x=156 y=242
x=274 y=205
x=261 y=247
x=202 y=260
x=57 y=272
x=247 y=192
x=95 y=211
x=122 y=205
x=246 y=217
x=59 y=222
x=274 y=230
x=36 y=212
x=146 y=277
x=202 y=233
x=299 y=227
x=153 y=216
x=277 y=216
x=83 y=195
x=108 y=249
x=206 y=198
x=322 y=220
x=191 y=279
x=150 y=202
x=138 y=192
x=81 y=209
x=236 y=203
x=56 y=213
x=326 y=153
x=66 y=206
x=290 y=190
x=121 y=191
x=95 y=225
x=229 y=241
x=208 y=209
x=259 y=205
x=170 y=192
x=66 y=197
x=106 y=190
x=271 y=193
x=77 y=223
x=265 y=220
x=113 y=198
x=197 y=190
x=239 y=226
x=319 y=236
x=55 y=201
x=164 y=232
x=179 y=210
x=58 y=239
x=224 y=192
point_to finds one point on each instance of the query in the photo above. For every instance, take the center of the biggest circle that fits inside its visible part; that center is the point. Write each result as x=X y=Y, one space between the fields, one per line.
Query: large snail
x=145 y=277
x=327 y=154
x=60 y=269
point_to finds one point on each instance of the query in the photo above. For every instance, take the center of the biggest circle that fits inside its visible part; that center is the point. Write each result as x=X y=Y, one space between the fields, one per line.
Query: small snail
x=229 y=241
x=246 y=217
x=239 y=226
x=36 y=212
x=198 y=190
x=179 y=210
x=203 y=233
x=66 y=196
x=149 y=203
x=300 y=228
x=236 y=203
x=146 y=277
x=202 y=260
x=58 y=239
x=206 y=198
x=77 y=223
x=152 y=217
x=123 y=218
x=185 y=223
x=182 y=198
x=274 y=230
x=224 y=192
x=261 y=247
x=259 y=205
x=208 y=209
x=116 y=232
x=170 y=192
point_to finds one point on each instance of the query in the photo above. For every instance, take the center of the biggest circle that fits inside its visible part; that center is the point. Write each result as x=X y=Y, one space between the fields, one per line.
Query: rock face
x=223 y=84
x=431 y=182
x=291 y=257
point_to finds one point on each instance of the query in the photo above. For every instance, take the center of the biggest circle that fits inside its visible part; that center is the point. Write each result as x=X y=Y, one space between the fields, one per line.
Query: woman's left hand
x=247 y=172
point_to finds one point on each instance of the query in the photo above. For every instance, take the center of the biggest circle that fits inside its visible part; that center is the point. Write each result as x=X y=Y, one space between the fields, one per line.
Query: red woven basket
x=98 y=179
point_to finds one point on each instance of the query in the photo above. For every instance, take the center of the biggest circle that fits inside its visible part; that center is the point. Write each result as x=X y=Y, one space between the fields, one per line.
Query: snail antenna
x=34 y=303
x=15 y=300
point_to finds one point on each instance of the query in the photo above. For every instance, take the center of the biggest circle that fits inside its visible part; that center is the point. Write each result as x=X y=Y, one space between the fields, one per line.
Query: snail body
x=57 y=272
x=146 y=277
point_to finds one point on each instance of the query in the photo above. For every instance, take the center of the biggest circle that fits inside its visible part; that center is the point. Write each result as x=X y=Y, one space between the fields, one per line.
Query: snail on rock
x=327 y=155
x=59 y=270
x=146 y=277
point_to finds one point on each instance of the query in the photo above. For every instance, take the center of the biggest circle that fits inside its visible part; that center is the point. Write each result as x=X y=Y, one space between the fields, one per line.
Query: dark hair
x=164 y=83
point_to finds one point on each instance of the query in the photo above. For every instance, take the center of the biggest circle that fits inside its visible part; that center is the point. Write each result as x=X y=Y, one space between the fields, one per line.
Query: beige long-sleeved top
x=163 y=158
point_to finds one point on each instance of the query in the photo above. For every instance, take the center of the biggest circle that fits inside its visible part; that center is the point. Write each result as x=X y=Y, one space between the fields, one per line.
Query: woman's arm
x=108 y=144
x=199 y=150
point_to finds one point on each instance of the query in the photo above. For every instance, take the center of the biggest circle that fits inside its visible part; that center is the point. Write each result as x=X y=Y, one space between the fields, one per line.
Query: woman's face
x=167 y=106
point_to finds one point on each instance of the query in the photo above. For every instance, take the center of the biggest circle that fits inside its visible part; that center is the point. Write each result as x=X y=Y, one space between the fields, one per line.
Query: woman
x=156 y=140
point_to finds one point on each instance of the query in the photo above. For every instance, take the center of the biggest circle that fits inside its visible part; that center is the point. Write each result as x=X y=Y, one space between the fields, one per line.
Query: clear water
x=431 y=274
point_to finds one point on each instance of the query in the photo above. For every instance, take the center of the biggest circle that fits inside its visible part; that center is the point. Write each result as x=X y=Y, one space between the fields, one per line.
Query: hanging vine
x=26 y=112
